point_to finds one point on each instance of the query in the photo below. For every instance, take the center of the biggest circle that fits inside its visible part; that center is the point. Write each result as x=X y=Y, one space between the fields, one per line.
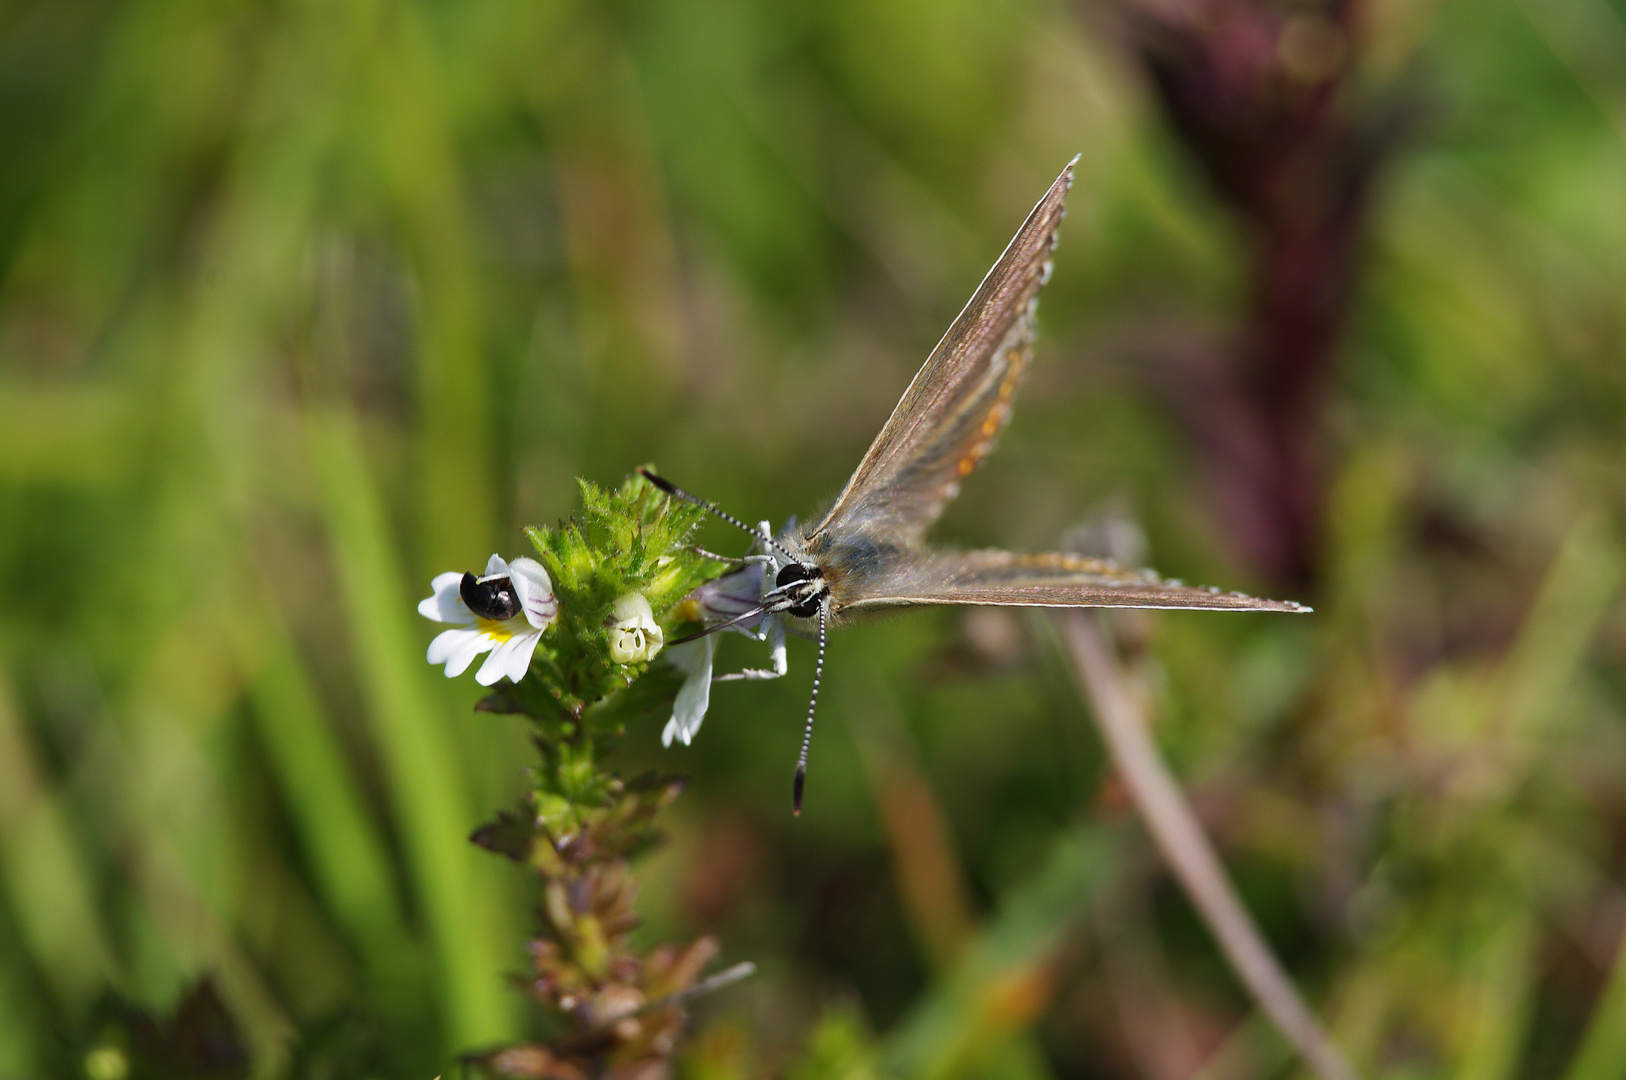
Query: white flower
x=634 y=634
x=713 y=604
x=503 y=612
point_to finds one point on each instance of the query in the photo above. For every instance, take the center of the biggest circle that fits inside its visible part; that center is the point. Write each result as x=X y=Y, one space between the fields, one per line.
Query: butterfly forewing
x=960 y=399
x=1007 y=579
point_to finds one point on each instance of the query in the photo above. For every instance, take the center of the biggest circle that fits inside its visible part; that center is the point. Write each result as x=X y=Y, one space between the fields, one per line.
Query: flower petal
x=626 y=645
x=446 y=604
x=532 y=571
x=535 y=591
x=447 y=643
x=495 y=565
x=457 y=649
x=689 y=708
x=731 y=595
x=519 y=659
x=633 y=610
x=511 y=659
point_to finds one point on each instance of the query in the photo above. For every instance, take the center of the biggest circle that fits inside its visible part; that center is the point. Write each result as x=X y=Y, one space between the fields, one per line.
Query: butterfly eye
x=792 y=572
x=490 y=598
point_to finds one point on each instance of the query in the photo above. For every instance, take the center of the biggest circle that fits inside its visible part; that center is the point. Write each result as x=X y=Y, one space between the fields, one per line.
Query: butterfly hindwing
x=1003 y=578
x=960 y=399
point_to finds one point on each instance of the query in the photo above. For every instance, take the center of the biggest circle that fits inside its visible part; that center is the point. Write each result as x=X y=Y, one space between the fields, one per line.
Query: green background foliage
x=302 y=304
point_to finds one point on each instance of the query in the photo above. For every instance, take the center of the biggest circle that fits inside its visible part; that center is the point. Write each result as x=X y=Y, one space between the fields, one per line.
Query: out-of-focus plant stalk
x=1259 y=93
x=1179 y=836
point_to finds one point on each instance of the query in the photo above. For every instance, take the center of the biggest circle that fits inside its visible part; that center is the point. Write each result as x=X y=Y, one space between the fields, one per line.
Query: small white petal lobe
x=535 y=591
x=511 y=659
x=446 y=604
x=689 y=708
x=457 y=649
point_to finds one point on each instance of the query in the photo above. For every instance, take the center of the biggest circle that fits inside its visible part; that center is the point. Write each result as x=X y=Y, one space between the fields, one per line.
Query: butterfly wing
x=961 y=397
x=1007 y=579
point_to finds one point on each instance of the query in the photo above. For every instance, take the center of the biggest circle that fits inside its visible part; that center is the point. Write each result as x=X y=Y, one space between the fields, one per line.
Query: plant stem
x=1179 y=836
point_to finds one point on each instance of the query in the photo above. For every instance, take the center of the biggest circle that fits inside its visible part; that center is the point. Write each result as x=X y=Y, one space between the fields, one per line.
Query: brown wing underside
x=960 y=399
x=1053 y=580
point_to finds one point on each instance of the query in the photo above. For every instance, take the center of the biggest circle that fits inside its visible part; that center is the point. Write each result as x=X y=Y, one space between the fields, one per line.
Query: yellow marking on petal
x=687 y=610
x=497 y=631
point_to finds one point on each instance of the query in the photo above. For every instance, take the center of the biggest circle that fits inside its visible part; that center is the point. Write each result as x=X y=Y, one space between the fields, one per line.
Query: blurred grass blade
x=417 y=159
x=1559 y=630
x=1602 y=1053
x=70 y=436
x=346 y=852
x=1003 y=980
x=203 y=943
x=1498 y=1000
x=418 y=751
x=1579 y=590
x=22 y=1039
x=1589 y=38
x=43 y=875
x=926 y=869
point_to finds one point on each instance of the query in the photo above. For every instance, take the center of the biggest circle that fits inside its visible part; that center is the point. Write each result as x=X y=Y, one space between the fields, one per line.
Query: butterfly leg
x=762 y=536
x=765 y=544
x=732 y=560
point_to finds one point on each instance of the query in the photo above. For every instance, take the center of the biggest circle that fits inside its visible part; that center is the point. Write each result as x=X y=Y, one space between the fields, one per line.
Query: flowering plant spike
x=575 y=638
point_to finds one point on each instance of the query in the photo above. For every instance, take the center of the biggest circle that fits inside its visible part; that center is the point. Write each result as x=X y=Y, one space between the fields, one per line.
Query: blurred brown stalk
x=1259 y=94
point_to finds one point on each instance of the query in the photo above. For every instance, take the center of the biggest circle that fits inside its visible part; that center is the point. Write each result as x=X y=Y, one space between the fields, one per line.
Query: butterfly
x=868 y=553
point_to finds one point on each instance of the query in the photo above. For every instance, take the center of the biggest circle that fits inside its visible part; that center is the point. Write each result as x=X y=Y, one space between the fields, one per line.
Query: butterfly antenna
x=807 y=733
x=759 y=610
x=678 y=493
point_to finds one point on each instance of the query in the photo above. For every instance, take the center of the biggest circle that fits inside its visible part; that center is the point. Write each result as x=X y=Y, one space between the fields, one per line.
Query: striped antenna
x=678 y=493
x=807 y=733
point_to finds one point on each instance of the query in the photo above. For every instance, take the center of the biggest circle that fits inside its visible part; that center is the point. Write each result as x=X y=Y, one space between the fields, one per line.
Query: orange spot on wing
x=998 y=413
